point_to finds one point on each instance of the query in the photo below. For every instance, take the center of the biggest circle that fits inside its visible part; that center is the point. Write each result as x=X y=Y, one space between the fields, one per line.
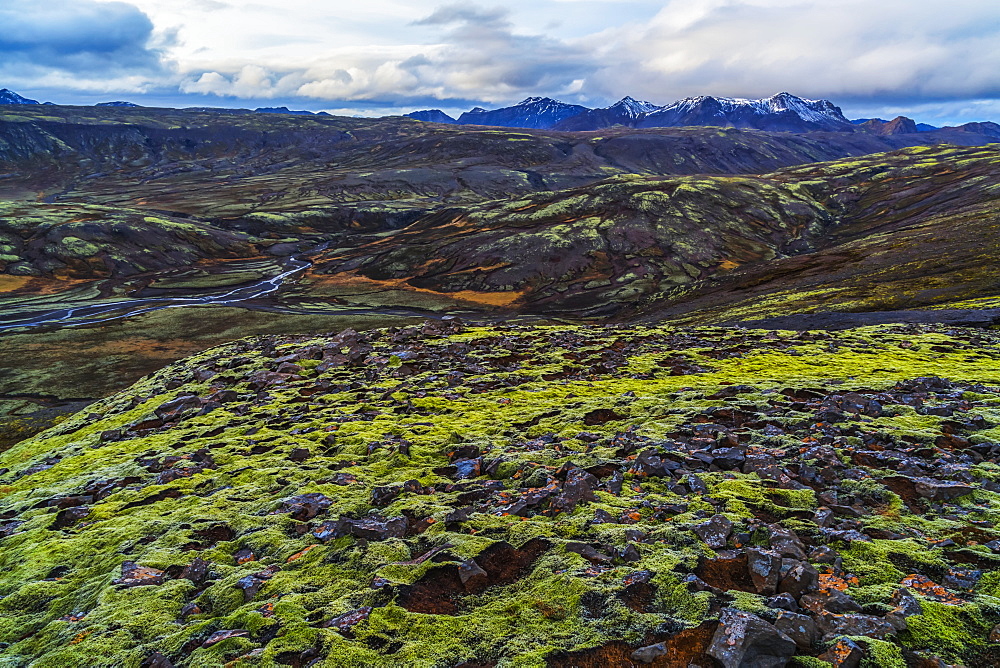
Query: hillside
x=520 y=496
x=915 y=228
x=332 y=173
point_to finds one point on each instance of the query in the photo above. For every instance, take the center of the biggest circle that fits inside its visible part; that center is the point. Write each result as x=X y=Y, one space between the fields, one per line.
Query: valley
x=308 y=390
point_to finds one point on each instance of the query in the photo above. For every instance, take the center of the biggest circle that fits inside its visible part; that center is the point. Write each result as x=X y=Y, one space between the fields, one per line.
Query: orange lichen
x=829 y=582
x=80 y=637
x=299 y=555
x=926 y=587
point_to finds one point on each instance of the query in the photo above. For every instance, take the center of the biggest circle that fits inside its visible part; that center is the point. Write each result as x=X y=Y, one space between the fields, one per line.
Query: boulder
x=304 y=506
x=134 y=575
x=765 y=570
x=715 y=532
x=801 y=579
x=800 y=628
x=649 y=653
x=744 y=640
x=844 y=653
x=937 y=490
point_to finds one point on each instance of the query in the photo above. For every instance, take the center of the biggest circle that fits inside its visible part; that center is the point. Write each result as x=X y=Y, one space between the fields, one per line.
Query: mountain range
x=782 y=112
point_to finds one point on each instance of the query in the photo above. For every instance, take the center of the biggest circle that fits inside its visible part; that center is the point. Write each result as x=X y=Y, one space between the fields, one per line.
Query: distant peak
x=636 y=106
x=535 y=100
x=7 y=96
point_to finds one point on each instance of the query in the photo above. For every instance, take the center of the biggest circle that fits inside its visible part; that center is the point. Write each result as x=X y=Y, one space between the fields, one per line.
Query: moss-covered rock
x=508 y=496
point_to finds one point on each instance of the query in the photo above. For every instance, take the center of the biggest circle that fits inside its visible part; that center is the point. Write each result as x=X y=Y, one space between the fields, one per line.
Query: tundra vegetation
x=592 y=465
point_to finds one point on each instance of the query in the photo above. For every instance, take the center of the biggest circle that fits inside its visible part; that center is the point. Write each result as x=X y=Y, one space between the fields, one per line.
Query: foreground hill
x=520 y=496
x=910 y=229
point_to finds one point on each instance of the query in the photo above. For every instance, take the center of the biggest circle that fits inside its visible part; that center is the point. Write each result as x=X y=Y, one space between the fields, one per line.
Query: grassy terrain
x=48 y=374
x=456 y=447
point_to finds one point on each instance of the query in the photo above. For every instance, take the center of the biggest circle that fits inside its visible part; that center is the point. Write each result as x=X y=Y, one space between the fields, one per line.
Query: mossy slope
x=441 y=452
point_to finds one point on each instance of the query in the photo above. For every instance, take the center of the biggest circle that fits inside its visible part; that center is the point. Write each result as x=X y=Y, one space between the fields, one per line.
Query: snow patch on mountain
x=8 y=96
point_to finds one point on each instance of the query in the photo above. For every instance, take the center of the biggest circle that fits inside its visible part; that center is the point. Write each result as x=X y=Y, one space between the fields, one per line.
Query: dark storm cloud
x=79 y=36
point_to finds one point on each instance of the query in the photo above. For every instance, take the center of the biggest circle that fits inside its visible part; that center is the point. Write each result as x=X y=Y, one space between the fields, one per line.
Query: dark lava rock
x=156 y=660
x=348 y=620
x=219 y=636
x=177 y=406
x=834 y=601
x=299 y=454
x=588 y=552
x=937 y=490
x=855 y=625
x=783 y=602
x=251 y=584
x=801 y=579
x=732 y=391
x=383 y=496
x=786 y=543
x=377 y=528
x=845 y=653
x=765 y=570
x=69 y=517
x=466 y=469
x=715 y=532
x=800 y=628
x=579 y=486
x=744 y=640
x=196 y=571
x=472 y=574
x=649 y=653
x=134 y=575
x=305 y=506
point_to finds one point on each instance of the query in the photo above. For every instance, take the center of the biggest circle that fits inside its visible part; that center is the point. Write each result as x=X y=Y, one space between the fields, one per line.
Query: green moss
x=562 y=602
x=950 y=631
x=880 y=653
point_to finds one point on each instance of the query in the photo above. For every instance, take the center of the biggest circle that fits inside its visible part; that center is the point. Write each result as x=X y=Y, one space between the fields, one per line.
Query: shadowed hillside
x=910 y=229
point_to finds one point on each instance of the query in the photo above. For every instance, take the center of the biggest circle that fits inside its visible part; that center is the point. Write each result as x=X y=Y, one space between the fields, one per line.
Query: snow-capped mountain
x=116 y=103
x=534 y=112
x=781 y=112
x=627 y=111
x=8 y=96
x=432 y=116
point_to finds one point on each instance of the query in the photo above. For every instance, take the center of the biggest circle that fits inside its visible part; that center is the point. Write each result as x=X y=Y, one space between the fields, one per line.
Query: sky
x=937 y=62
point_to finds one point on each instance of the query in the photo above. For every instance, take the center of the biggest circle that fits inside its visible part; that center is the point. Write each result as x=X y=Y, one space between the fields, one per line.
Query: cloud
x=79 y=36
x=496 y=17
x=850 y=50
x=479 y=55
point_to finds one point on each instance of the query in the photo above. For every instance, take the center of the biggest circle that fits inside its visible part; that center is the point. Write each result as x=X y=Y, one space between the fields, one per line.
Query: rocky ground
x=520 y=496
